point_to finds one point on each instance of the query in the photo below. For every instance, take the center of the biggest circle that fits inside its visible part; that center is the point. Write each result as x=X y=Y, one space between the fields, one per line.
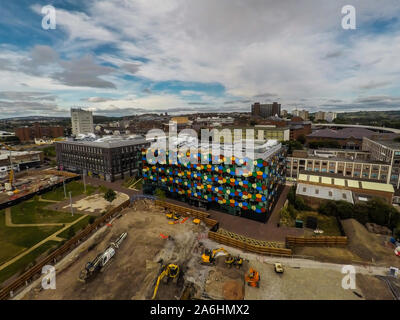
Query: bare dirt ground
x=134 y=268
x=369 y=246
x=94 y=204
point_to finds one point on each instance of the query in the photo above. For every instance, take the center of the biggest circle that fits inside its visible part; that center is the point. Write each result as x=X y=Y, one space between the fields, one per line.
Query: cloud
x=374 y=84
x=97 y=99
x=84 y=73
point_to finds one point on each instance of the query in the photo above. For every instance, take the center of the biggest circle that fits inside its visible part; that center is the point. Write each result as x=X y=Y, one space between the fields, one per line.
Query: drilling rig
x=103 y=259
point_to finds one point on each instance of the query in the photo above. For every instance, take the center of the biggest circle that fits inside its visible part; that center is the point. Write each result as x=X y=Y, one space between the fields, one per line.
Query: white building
x=82 y=122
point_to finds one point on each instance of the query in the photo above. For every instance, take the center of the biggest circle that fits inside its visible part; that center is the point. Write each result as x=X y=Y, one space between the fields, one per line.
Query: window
x=304 y=189
x=316 y=191
x=344 y=196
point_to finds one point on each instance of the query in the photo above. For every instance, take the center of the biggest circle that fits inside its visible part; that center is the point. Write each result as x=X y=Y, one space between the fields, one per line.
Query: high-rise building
x=82 y=121
x=265 y=110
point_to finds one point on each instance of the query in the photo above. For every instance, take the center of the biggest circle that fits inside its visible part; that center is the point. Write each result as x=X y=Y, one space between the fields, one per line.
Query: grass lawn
x=36 y=212
x=76 y=227
x=21 y=264
x=326 y=223
x=76 y=188
x=14 y=240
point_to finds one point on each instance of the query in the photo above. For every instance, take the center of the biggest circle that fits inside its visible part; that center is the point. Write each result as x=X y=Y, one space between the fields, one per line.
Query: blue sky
x=120 y=57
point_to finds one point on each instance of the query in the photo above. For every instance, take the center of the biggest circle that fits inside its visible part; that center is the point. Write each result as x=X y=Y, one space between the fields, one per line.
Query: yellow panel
x=314 y=179
x=377 y=186
x=302 y=177
x=326 y=180
x=353 y=184
x=338 y=182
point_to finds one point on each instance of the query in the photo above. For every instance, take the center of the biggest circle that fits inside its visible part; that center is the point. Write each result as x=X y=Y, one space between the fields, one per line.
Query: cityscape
x=186 y=157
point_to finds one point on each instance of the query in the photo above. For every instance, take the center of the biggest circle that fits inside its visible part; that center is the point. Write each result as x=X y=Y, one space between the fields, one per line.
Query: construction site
x=151 y=250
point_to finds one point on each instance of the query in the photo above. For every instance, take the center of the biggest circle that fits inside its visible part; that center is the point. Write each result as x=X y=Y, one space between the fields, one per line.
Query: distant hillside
x=389 y=119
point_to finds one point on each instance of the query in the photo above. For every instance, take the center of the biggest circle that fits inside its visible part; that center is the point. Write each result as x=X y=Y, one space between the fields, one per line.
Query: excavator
x=253 y=278
x=172 y=216
x=209 y=258
x=170 y=271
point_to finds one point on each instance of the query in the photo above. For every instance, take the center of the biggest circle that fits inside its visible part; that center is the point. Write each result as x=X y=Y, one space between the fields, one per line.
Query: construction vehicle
x=102 y=259
x=234 y=261
x=209 y=256
x=278 y=267
x=196 y=221
x=170 y=271
x=172 y=216
x=253 y=278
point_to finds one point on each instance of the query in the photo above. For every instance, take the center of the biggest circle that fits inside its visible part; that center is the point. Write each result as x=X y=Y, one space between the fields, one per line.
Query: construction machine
x=170 y=271
x=172 y=216
x=234 y=261
x=102 y=259
x=253 y=278
x=209 y=256
x=11 y=173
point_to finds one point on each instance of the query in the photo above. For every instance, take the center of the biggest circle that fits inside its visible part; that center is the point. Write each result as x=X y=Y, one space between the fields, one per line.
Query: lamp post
x=70 y=203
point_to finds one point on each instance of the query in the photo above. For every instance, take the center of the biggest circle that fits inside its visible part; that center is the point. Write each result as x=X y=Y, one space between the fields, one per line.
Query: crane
x=171 y=271
x=11 y=173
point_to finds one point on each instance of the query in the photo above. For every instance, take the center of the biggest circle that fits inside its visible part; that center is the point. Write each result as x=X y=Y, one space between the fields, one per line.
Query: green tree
x=344 y=209
x=110 y=195
x=301 y=138
x=160 y=194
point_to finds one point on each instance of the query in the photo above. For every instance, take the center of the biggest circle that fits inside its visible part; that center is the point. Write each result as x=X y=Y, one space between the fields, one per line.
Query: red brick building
x=38 y=132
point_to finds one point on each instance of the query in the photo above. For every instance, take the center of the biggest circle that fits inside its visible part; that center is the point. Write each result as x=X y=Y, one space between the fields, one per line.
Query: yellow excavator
x=172 y=216
x=170 y=271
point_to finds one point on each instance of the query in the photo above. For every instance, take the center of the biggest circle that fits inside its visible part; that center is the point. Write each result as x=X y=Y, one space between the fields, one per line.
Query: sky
x=124 y=57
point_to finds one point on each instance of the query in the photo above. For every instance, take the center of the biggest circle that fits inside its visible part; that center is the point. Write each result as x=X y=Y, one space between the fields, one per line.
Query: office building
x=109 y=158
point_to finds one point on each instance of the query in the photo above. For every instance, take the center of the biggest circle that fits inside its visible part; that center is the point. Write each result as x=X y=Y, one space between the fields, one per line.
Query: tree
x=160 y=194
x=301 y=138
x=110 y=195
x=344 y=209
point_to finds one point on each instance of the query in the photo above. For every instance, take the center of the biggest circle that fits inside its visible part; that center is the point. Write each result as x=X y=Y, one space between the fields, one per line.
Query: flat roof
x=326 y=180
x=111 y=143
x=339 y=182
x=377 y=186
x=327 y=193
x=367 y=185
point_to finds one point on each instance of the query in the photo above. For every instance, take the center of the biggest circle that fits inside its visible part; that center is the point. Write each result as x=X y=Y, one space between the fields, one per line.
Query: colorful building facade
x=251 y=194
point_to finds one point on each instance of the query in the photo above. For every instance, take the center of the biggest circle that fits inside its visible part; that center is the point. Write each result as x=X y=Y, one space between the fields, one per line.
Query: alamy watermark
x=49 y=19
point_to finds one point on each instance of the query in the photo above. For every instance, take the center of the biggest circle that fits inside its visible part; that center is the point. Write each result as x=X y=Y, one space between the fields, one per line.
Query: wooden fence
x=315 y=241
x=188 y=212
x=223 y=239
x=60 y=252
